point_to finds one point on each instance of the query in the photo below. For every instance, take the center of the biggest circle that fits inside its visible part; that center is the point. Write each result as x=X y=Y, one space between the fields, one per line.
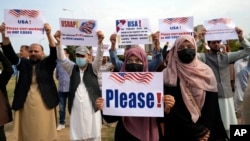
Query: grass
x=107 y=132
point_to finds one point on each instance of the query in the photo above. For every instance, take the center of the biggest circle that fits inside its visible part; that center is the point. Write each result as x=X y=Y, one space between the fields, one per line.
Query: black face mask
x=134 y=67
x=186 y=55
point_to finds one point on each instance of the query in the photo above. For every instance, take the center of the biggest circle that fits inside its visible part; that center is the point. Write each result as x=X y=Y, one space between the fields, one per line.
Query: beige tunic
x=35 y=122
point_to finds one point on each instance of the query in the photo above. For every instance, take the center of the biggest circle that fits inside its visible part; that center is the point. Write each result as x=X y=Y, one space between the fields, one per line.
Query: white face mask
x=81 y=62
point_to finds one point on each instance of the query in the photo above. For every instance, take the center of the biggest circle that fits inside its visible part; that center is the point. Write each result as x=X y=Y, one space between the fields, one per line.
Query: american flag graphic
x=221 y=20
x=119 y=24
x=87 y=27
x=181 y=20
x=137 y=77
x=28 y=13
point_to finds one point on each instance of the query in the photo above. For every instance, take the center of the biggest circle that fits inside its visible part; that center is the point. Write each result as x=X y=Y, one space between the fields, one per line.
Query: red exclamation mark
x=158 y=100
x=139 y=23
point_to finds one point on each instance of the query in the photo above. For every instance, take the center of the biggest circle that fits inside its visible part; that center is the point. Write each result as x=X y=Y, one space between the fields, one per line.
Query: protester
x=35 y=94
x=152 y=65
x=136 y=128
x=196 y=114
x=244 y=75
x=85 y=117
x=164 y=62
x=245 y=120
x=24 y=51
x=105 y=67
x=5 y=110
x=219 y=62
x=63 y=90
x=238 y=93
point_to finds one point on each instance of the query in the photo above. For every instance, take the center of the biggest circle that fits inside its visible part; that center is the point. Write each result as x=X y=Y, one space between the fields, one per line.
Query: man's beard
x=214 y=50
x=33 y=62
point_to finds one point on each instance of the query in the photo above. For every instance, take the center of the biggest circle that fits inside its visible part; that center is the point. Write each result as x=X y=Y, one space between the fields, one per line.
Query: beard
x=34 y=61
x=214 y=50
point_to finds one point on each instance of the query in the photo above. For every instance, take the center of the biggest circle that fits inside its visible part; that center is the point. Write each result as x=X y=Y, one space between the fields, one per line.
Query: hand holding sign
x=2 y=28
x=169 y=102
x=57 y=36
x=47 y=28
x=113 y=39
x=100 y=36
x=240 y=33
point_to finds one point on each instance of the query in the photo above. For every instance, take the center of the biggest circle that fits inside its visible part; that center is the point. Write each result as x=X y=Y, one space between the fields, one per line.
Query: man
x=152 y=65
x=219 y=62
x=5 y=110
x=239 y=93
x=35 y=95
x=24 y=51
x=85 y=117
x=63 y=90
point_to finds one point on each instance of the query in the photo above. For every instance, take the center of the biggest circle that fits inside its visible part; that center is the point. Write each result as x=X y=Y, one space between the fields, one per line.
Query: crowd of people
x=199 y=102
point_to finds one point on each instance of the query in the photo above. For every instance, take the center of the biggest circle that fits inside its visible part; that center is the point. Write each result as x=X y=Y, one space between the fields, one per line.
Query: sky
x=107 y=11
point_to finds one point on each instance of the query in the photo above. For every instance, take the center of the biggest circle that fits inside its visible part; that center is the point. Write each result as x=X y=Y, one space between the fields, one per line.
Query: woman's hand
x=169 y=102
x=205 y=137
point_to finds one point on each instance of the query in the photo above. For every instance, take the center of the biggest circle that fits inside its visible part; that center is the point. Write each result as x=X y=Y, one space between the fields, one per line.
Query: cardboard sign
x=133 y=31
x=78 y=32
x=220 y=29
x=171 y=28
x=24 y=23
x=133 y=94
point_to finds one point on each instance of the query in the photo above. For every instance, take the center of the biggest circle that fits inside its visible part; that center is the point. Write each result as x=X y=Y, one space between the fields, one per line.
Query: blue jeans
x=62 y=106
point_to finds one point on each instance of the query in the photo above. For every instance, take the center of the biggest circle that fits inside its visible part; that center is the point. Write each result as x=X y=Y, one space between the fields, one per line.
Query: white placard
x=78 y=32
x=172 y=28
x=220 y=29
x=133 y=94
x=133 y=31
x=105 y=50
x=24 y=23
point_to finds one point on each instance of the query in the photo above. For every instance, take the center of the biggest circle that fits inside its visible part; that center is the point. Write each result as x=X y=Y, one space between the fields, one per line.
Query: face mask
x=81 y=62
x=149 y=58
x=134 y=67
x=186 y=55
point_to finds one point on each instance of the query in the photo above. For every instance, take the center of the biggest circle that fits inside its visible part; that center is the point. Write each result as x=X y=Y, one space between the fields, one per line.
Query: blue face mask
x=149 y=58
x=81 y=62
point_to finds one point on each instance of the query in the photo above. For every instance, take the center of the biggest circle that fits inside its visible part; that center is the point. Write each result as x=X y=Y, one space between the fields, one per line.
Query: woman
x=5 y=111
x=195 y=115
x=137 y=128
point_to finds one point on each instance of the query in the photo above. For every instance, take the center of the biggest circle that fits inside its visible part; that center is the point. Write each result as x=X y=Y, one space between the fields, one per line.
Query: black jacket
x=90 y=81
x=44 y=76
x=5 y=75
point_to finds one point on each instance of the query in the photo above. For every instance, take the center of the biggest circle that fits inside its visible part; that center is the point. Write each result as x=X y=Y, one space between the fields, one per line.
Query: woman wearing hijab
x=137 y=128
x=195 y=115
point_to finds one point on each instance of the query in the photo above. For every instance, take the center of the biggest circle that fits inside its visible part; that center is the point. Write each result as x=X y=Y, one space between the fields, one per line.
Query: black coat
x=179 y=124
x=5 y=111
x=44 y=75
